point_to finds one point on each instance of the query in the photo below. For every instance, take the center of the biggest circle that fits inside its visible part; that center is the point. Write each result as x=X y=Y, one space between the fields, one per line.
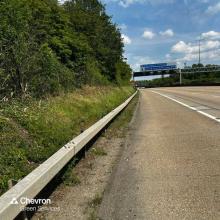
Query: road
x=171 y=163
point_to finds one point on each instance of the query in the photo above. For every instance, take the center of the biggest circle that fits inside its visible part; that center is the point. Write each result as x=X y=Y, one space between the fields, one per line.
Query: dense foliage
x=47 y=47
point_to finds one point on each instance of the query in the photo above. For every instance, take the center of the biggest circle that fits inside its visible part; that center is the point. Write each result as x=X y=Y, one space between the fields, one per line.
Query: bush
x=51 y=77
x=123 y=73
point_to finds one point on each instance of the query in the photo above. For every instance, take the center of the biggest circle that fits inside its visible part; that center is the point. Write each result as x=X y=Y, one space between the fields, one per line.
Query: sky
x=167 y=30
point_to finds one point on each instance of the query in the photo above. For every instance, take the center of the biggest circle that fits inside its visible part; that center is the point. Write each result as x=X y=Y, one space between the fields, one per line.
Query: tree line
x=47 y=47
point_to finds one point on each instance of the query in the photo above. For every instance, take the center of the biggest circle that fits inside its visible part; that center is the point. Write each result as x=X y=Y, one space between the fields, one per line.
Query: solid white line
x=216 y=96
x=209 y=116
x=190 y=107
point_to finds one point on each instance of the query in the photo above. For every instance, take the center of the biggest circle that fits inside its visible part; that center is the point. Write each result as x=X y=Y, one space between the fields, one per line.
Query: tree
x=17 y=46
x=43 y=42
x=88 y=17
x=199 y=65
x=123 y=72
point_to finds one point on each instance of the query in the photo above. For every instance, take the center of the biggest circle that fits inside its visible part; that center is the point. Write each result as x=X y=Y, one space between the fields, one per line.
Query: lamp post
x=180 y=73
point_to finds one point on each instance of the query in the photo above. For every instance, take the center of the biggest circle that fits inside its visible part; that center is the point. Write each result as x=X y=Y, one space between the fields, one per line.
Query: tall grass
x=33 y=130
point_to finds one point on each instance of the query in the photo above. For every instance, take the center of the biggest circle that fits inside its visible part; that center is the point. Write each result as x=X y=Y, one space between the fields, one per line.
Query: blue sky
x=168 y=30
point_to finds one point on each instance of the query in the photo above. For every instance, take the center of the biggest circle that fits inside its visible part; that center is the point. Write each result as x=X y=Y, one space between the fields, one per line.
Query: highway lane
x=170 y=168
x=206 y=99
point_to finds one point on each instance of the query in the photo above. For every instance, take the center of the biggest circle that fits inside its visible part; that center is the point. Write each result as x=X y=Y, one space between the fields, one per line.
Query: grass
x=71 y=179
x=99 y=151
x=33 y=130
x=96 y=201
x=118 y=127
x=93 y=204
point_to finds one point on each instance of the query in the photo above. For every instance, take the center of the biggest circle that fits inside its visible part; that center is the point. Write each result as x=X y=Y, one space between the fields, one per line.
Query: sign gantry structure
x=156 y=69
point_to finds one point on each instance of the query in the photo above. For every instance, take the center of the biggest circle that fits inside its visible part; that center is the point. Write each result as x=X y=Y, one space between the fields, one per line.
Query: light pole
x=200 y=49
x=180 y=73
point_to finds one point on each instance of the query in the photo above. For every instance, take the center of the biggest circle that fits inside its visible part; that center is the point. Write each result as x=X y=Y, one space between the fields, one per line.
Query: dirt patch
x=80 y=201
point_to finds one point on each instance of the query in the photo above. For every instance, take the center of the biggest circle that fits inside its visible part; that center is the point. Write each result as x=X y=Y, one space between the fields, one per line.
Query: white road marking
x=190 y=107
x=216 y=96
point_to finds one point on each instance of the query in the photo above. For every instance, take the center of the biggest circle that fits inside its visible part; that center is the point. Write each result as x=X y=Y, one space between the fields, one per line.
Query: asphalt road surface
x=171 y=163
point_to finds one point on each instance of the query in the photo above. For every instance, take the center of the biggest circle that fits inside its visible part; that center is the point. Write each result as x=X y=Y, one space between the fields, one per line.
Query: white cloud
x=211 y=34
x=181 y=47
x=210 y=50
x=167 y=33
x=136 y=61
x=213 y=9
x=126 y=39
x=205 y=56
x=187 y=2
x=148 y=34
x=189 y=48
x=168 y=57
x=210 y=45
x=127 y=3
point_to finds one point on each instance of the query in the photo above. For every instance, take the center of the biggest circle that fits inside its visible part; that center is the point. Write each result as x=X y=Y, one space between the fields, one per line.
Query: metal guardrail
x=34 y=182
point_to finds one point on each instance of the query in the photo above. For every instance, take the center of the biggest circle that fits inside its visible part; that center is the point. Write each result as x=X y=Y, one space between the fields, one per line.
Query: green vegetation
x=60 y=65
x=99 y=151
x=69 y=177
x=211 y=78
x=33 y=130
x=118 y=127
x=48 y=48
x=93 y=205
x=168 y=81
x=96 y=201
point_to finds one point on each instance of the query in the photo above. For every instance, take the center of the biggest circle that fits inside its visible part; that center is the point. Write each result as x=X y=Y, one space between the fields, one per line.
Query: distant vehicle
x=158 y=67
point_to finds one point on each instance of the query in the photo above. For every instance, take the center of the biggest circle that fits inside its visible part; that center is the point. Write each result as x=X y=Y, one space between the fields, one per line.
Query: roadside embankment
x=33 y=130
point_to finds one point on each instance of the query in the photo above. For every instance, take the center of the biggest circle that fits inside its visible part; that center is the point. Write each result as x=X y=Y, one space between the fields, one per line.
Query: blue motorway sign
x=158 y=67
